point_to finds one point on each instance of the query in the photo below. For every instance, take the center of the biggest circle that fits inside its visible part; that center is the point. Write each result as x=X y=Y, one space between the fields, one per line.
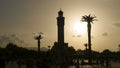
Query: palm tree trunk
x=38 y=46
x=89 y=42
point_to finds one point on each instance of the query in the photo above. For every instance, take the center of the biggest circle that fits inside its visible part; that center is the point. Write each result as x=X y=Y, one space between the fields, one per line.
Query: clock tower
x=60 y=25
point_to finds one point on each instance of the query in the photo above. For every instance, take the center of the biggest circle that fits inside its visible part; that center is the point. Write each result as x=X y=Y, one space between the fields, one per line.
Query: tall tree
x=86 y=45
x=119 y=47
x=89 y=19
x=38 y=38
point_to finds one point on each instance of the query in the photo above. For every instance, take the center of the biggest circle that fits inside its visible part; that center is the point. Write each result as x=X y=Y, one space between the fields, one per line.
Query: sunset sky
x=19 y=19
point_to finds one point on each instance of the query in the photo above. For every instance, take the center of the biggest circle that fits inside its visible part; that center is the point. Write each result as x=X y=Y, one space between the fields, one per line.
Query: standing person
x=108 y=63
x=82 y=62
x=77 y=64
x=19 y=63
x=102 y=62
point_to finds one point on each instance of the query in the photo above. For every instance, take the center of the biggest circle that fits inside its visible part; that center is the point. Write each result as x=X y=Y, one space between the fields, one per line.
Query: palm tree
x=89 y=19
x=119 y=47
x=38 y=38
x=86 y=46
x=49 y=47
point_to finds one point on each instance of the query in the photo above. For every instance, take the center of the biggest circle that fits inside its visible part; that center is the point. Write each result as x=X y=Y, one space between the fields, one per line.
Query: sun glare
x=79 y=28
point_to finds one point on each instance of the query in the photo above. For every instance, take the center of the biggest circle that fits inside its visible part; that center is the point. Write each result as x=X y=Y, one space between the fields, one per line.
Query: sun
x=79 y=28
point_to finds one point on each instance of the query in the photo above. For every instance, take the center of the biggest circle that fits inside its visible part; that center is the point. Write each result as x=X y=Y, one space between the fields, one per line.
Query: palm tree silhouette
x=119 y=47
x=49 y=47
x=38 y=38
x=89 y=19
x=86 y=45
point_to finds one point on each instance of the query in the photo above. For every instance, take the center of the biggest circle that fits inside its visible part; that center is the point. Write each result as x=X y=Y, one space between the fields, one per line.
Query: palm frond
x=88 y=18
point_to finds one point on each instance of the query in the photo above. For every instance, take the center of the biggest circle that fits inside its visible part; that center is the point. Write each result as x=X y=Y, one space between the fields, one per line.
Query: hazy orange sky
x=19 y=19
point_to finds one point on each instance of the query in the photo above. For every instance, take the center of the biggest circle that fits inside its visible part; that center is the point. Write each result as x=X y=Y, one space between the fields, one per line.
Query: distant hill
x=35 y=48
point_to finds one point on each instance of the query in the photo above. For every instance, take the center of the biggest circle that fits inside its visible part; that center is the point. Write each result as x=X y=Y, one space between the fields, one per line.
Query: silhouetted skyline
x=23 y=18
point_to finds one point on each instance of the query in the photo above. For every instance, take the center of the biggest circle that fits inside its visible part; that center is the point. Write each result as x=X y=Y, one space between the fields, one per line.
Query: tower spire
x=60 y=24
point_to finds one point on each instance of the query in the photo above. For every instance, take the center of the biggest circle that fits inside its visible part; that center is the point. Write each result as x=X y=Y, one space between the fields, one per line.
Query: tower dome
x=60 y=13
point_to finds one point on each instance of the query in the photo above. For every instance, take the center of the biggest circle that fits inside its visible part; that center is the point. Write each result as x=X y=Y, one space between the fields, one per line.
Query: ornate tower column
x=60 y=24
